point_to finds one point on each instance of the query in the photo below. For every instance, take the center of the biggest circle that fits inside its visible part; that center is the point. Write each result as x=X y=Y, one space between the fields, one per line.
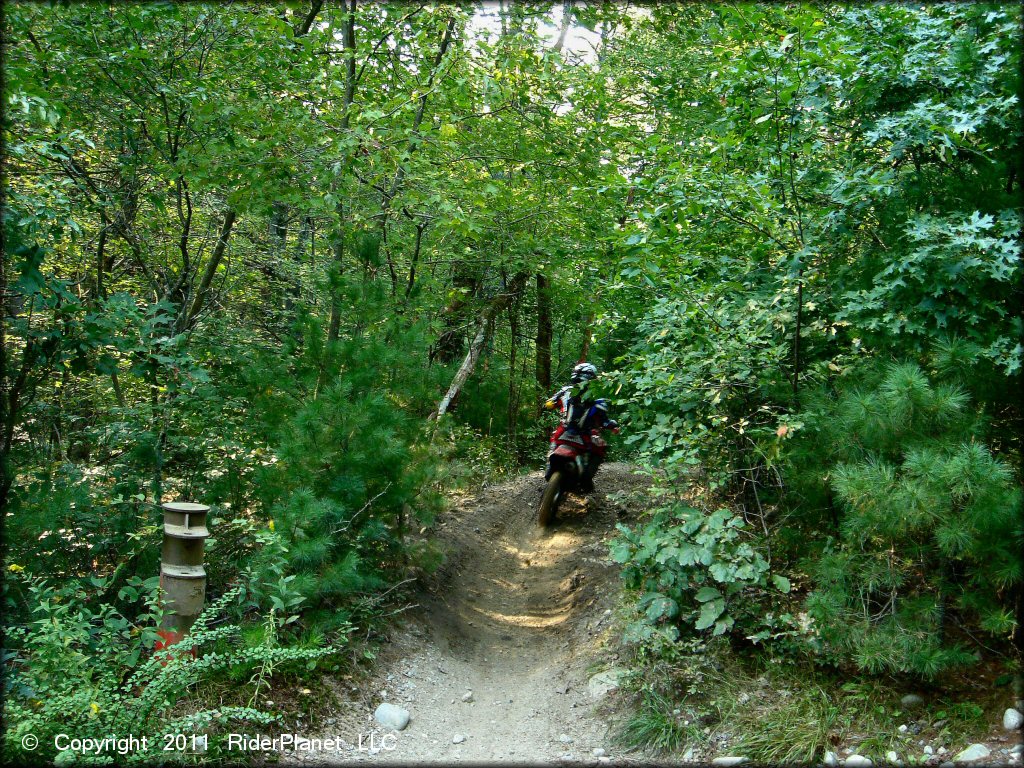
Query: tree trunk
x=543 y=336
x=588 y=332
x=466 y=283
x=566 y=23
x=188 y=317
x=8 y=400
x=396 y=184
x=483 y=324
x=468 y=364
x=338 y=242
x=307 y=22
x=338 y=236
x=513 y=404
x=588 y=324
x=414 y=261
x=796 y=337
x=294 y=293
x=101 y=257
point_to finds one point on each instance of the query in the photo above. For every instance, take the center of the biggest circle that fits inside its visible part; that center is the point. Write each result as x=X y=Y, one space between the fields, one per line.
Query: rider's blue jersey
x=581 y=414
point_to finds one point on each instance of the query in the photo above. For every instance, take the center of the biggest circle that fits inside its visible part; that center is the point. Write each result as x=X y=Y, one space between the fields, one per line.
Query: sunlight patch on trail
x=528 y=620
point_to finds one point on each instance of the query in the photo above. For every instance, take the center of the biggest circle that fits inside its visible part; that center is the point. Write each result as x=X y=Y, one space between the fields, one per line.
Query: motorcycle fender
x=560 y=458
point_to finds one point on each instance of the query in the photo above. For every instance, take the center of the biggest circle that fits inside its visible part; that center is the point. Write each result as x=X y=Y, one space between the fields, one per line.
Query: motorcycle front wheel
x=549 y=502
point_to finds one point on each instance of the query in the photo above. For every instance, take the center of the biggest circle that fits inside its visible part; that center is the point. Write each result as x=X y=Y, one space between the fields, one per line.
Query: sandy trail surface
x=496 y=662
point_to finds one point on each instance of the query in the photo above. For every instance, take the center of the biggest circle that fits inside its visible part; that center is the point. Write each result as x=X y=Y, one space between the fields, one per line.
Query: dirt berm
x=518 y=618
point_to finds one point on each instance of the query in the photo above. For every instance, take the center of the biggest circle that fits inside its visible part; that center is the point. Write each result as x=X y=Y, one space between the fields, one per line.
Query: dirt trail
x=517 y=616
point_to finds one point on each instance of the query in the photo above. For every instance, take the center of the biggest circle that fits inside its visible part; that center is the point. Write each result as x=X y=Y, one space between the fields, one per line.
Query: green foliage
x=696 y=571
x=956 y=277
x=342 y=495
x=235 y=274
x=653 y=726
x=793 y=731
x=930 y=532
x=698 y=380
x=92 y=673
x=472 y=457
x=823 y=188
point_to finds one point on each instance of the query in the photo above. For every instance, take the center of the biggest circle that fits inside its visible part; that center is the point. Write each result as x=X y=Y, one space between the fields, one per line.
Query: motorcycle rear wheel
x=549 y=502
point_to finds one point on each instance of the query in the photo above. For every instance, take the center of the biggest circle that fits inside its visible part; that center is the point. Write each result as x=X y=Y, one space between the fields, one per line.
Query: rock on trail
x=391 y=716
x=496 y=662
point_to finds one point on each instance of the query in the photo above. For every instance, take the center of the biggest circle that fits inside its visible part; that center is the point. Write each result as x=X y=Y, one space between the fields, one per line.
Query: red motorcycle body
x=570 y=452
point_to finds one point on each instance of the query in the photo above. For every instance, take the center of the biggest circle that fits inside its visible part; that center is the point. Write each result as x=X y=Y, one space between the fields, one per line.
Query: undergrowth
x=705 y=699
x=91 y=674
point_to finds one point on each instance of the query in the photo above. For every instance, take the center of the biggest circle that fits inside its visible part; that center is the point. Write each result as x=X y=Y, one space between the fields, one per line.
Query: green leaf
x=709 y=612
x=707 y=593
x=662 y=606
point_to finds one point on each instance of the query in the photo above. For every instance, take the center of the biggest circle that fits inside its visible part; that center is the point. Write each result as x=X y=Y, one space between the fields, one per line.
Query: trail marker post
x=182 y=576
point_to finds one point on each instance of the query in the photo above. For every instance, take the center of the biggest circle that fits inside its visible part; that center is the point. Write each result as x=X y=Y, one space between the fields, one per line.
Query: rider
x=582 y=418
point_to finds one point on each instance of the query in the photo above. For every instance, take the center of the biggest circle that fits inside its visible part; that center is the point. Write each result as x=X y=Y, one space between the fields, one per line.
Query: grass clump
x=654 y=726
x=704 y=698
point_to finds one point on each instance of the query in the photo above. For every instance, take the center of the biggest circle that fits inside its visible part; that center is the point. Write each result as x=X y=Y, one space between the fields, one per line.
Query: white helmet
x=583 y=372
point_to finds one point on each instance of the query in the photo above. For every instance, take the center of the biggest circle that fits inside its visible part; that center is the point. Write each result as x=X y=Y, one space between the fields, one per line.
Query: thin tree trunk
x=158 y=448
x=117 y=389
x=796 y=336
x=8 y=399
x=278 y=232
x=504 y=17
x=391 y=264
x=566 y=23
x=188 y=317
x=101 y=257
x=466 y=283
x=543 y=336
x=513 y=405
x=483 y=326
x=307 y=23
x=468 y=364
x=294 y=293
x=338 y=242
x=588 y=326
x=338 y=254
x=446 y=40
x=415 y=259
x=396 y=184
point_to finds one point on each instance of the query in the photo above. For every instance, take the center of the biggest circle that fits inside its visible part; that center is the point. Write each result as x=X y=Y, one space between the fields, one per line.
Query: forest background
x=316 y=264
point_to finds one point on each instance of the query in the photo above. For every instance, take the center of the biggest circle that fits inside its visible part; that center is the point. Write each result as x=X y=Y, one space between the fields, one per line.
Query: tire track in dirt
x=517 y=616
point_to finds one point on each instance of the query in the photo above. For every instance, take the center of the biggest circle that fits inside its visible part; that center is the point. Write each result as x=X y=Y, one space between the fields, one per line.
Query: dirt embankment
x=494 y=662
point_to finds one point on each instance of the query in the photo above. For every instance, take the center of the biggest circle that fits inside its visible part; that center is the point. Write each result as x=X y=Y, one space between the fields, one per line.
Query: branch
x=381 y=42
x=445 y=42
x=566 y=22
x=303 y=28
x=189 y=317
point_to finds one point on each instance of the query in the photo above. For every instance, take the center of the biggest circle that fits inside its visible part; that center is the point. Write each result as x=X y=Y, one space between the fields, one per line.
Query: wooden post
x=182 y=576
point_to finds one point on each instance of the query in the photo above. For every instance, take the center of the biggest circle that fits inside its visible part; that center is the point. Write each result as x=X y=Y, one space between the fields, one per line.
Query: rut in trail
x=517 y=616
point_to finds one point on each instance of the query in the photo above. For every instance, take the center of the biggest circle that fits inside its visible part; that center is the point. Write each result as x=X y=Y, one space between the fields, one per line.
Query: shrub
x=702 y=385
x=349 y=483
x=90 y=673
x=930 y=528
x=695 y=571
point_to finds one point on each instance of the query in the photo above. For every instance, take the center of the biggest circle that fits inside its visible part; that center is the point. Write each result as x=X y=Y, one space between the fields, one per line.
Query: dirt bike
x=571 y=466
